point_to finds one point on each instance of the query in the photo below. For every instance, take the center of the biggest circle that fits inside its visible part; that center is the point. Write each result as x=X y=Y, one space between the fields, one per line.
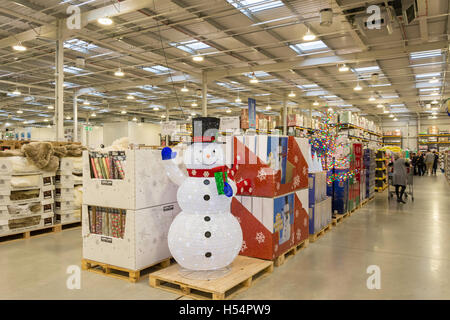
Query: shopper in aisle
x=399 y=178
x=421 y=164
x=436 y=162
x=429 y=161
x=414 y=159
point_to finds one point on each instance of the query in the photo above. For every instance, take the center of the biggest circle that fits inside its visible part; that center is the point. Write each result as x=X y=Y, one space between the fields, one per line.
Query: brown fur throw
x=53 y=164
x=74 y=150
x=39 y=153
x=59 y=151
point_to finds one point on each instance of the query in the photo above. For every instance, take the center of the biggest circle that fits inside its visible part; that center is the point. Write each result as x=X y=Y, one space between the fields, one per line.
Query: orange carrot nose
x=208 y=156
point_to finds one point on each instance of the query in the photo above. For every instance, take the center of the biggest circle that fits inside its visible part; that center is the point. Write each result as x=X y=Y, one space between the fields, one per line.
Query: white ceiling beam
x=49 y=30
x=303 y=63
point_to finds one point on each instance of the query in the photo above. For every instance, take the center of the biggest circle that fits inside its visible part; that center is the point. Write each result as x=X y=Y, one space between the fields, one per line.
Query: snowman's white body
x=286 y=224
x=205 y=235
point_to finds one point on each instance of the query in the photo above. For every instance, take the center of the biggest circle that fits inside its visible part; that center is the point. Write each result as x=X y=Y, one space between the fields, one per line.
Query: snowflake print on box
x=270 y=225
x=271 y=163
x=205 y=235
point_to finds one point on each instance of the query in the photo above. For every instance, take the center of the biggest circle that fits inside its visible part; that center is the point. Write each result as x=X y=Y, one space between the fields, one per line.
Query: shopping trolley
x=409 y=191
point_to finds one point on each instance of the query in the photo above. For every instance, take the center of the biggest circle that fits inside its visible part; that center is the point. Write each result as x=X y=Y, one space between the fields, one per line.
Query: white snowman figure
x=204 y=236
x=286 y=231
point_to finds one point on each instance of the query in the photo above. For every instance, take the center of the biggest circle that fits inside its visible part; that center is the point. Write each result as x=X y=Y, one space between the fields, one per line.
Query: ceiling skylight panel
x=254 y=6
x=425 y=54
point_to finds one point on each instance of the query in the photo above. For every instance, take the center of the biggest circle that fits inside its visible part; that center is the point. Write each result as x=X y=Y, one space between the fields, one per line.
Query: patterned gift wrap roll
x=98 y=221
x=116 y=231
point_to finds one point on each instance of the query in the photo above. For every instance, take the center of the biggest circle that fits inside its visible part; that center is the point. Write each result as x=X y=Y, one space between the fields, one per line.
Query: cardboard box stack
x=26 y=199
x=68 y=191
x=127 y=225
x=369 y=166
x=320 y=214
x=274 y=216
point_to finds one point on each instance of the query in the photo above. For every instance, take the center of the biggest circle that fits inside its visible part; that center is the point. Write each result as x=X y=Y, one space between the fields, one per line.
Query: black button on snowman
x=205 y=235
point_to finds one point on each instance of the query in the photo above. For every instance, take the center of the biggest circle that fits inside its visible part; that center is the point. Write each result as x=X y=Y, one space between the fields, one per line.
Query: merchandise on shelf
x=145 y=185
x=271 y=226
x=320 y=215
x=274 y=165
x=132 y=239
x=26 y=196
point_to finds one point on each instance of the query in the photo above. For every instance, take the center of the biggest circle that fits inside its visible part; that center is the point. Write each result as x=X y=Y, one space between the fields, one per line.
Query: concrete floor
x=410 y=243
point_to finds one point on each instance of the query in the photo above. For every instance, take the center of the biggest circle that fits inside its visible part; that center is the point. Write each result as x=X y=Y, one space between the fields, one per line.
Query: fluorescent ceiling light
x=119 y=73
x=19 y=111
x=155 y=108
x=123 y=111
x=344 y=68
x=19 y=47
x=106 y=21
x=380 y=106
x=184 y=89
x=163 y=116
x=130 y=97
x=309 y=36
x=16 y=92
x=197 y=58
x=391 y=115
x=291 y=94
x=228 y=111
x=254 y=80
x=395 y=119
x=93 y=114
x=315 y=103
x=358 y=87
x=238 y=100
x=134 y=119
x=194 y=104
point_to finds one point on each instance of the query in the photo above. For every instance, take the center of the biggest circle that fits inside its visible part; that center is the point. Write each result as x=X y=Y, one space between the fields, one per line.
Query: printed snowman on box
x=205 y=235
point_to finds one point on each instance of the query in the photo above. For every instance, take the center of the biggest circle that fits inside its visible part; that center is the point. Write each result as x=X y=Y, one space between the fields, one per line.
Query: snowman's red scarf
x=205 y=173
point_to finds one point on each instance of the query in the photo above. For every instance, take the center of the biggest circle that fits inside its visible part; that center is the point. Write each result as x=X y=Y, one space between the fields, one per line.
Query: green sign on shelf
x=88 y=128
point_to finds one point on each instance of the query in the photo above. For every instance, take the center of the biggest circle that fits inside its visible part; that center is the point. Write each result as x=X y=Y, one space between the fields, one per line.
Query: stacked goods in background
x=358 y=166
x=274 y=215
x=352 y=181
x=380 y=171
x=320 y=214
x=369 y=167
x=340 y=191
x=69 y=190
x=26 y=196
x=129 y=204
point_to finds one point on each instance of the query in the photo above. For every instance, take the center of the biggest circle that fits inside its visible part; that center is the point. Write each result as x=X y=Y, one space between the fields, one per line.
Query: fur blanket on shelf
x=41 y=155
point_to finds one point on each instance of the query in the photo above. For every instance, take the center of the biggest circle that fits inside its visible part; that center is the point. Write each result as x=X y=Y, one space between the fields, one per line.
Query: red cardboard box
x=271 y=226
x=274 y=164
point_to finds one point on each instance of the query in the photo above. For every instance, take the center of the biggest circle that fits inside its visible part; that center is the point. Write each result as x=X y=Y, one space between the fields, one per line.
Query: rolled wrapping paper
x=119 y=169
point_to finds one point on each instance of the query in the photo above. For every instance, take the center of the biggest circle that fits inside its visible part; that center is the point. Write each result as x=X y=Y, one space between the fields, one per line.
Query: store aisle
x=410 y=243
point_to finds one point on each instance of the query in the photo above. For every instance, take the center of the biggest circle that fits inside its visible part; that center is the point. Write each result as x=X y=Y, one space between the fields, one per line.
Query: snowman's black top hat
x=205 y=129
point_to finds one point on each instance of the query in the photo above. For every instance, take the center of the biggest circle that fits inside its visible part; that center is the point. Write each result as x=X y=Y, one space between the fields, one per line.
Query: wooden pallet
x=70 y=225
x=244 y=271
x=315 y=236
x=30 y=233
x=290 y=253
x=340 y=218
x=118 y=272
